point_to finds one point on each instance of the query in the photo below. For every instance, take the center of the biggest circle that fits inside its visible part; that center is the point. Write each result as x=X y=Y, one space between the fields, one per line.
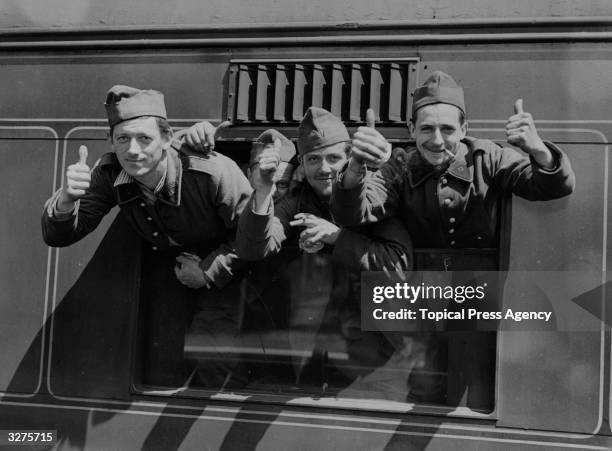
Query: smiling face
x=438 y=131
x=139 y=145
x=321 y=167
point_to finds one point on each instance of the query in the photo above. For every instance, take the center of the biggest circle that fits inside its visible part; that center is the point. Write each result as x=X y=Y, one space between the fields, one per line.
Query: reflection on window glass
x=291 y=324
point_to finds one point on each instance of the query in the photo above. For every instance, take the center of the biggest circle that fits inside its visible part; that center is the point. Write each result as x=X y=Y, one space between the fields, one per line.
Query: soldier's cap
x=438 y=88
x=287 y=149
x=123 y=103
x=318 y=129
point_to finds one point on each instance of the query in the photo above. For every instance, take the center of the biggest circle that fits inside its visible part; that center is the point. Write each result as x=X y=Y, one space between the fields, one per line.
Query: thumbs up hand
x=521 y=131
x=369 y=146
x=267 y=164
x=201 y=136
x=78 y=178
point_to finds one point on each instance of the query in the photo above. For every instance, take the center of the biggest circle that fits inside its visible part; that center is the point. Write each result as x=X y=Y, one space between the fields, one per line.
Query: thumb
x=277 y=144
x=83 y=155
x=370 y=118
x=518 y=106
x=181 y=259
x=221 y=126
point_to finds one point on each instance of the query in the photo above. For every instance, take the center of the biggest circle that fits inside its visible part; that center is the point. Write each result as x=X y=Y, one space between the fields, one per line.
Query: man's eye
x=121 y=139
x=448 y=130
x=282 y=185
x=145 y=139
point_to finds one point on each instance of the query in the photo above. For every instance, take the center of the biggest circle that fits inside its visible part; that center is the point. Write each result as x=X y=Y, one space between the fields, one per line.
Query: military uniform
x=456 y=204
x=333 y=273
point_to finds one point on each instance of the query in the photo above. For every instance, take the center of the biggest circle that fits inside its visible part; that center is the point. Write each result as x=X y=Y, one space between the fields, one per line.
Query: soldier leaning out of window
x=185 y=207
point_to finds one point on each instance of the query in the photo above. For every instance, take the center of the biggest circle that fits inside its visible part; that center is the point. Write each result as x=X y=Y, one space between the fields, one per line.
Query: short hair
x=461 y=114
x=162 y=124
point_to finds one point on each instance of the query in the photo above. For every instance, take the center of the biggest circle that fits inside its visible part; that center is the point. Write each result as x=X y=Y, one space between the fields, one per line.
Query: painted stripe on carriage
x=339 y=427
x=103 y=120
x=49 y=259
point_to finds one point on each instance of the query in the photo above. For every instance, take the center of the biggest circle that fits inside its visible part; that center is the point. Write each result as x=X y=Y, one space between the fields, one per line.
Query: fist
x=201 y=136
x=521 y=131
x=78 y=178
x=188 y=271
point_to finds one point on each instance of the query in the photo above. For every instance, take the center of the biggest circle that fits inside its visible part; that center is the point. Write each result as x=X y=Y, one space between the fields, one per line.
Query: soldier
x=185 y=207
x=446 y=189
x=267 y=228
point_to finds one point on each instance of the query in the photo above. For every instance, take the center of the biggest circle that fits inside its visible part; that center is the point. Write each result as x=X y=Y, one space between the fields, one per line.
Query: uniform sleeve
x=230 y=191
x=375 y=198
x=382 y=246
x=262 y=235
x=525 y=178
x=66 y=229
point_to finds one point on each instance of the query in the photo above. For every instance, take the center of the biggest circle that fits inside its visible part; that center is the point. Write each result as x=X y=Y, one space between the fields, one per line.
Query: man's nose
x=437 y=137
x=133 y=147
x=325 y=166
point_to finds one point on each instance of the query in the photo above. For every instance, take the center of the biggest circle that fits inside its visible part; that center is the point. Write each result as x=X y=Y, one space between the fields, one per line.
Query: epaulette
x=211 y=163
x=475 y=144
x=108 y=159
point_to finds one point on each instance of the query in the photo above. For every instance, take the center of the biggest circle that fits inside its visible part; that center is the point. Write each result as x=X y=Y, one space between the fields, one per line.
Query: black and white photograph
x=288 y=225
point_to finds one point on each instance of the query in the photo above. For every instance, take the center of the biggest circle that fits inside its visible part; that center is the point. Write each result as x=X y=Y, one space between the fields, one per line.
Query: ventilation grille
x=281 y=92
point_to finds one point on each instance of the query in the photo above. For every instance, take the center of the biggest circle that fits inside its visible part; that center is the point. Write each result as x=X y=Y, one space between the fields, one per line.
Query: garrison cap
x=123 y=103
x=318 y=129
x=438 y=88
x=287 y=149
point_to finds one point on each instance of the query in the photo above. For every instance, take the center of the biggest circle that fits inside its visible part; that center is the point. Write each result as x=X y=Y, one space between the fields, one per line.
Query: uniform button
x=438 y=167
x=451 y=220
x=478 y=237
x=149 y=218
x=142 y=204
x=452 y=243
x=154 y=248
x=451 y=231
x=447 y=201
x=155 y=233
x=443 y=181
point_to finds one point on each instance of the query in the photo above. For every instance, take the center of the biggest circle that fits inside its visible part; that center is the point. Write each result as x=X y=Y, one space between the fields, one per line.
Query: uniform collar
x=459 y=167
x=170 y=193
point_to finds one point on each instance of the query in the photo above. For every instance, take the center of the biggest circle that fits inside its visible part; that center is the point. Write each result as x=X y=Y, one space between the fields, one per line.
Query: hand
x=369 y=146
x=318 y=230
x=188 y=271
x=264 y=170
x=78 y=178
x=521 y=132
x=201 y=136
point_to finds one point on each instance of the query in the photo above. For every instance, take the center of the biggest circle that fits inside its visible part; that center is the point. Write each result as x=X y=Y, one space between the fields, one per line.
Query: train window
x=292 y=326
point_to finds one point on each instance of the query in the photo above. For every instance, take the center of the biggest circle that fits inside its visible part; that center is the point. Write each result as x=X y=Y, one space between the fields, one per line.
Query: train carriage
x=74 y=321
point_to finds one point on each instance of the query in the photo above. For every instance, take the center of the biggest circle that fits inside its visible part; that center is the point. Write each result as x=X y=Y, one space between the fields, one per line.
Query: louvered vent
x=262 y=92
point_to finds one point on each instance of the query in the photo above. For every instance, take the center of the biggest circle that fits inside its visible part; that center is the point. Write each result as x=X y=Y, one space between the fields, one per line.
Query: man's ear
x=464 y=128
x=411 y=128
x=167 y=139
